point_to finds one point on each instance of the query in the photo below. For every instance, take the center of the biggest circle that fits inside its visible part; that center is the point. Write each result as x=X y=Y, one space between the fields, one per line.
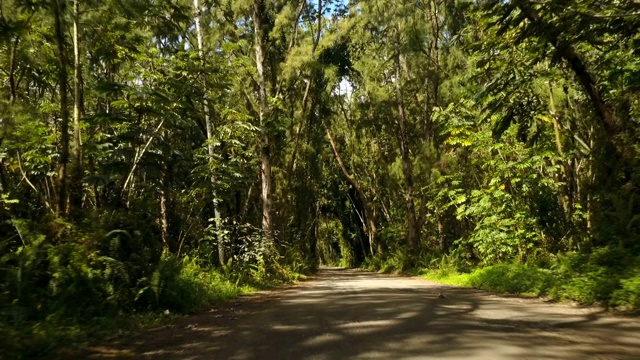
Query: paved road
x=347 y=314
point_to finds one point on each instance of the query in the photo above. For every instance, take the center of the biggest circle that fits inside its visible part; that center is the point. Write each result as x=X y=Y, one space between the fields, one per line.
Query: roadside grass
x=604 y=277
x=177 y=287
x=49 y=337
x=25 y=339
x=518 y=279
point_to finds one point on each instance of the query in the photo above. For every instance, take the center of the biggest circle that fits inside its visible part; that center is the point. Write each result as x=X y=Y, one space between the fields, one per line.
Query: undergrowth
x=65 y=296
x=606 y=276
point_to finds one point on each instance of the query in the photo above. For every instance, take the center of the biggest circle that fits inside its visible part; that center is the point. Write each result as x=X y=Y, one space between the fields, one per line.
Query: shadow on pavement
x=345 y=314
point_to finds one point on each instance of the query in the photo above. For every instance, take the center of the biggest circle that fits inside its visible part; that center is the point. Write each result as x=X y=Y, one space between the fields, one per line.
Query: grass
x=448 y=277
x=607 y=276
x=507 y=278
x=37 y=338
x=178 y=286
x=602 y=277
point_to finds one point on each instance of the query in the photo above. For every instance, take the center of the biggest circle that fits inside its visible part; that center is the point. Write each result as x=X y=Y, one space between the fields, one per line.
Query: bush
x=397 y=261
x=592 y=284
x=608 y=276
x=628 y=296
x=512 y=278
x=182 y=286
x=593 y=277
x=65 y=290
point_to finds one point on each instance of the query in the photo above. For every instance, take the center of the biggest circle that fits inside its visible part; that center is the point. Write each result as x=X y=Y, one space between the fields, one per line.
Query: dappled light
x=343 y=314
x=160 y=160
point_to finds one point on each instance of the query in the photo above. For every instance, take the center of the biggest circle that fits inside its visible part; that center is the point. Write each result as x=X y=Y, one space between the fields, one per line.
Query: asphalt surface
x=348 y=314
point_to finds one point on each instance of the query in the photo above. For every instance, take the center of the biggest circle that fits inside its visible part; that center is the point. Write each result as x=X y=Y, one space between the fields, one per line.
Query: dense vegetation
x=163 y=154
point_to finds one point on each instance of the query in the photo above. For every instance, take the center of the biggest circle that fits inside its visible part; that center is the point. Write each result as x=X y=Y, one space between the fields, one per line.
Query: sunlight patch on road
x=323 y=339
x=370 y=323
x=408 y=315
x=280 y=327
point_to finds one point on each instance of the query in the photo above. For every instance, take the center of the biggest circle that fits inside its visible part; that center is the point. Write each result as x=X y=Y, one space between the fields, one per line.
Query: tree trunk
x=313 y=244
x=76 y=171
x=12 y=100
x=372 y=230
x=265 y=153
x=413 y=230
x=305 y=98
x=13 y=63
x=432 y=81
x=58 y=8
x=165 y=201
x=566 y=177
x=210 y=131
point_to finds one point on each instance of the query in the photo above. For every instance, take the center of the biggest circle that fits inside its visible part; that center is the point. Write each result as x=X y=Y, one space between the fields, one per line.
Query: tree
x=265 y=151
x=208 y=124
x=59 y=7
x=78 y=109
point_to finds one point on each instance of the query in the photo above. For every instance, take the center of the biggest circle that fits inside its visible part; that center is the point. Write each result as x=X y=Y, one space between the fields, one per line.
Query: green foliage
x=606 y=276
x=52 y=294
x=598 y=276
x=513 y=197
x=512 y=278
x=84 y=284
x=518 y=159
x=628 y=295
x=334 y=249
x=516 y=278
x=399 y=260
x=183 y=285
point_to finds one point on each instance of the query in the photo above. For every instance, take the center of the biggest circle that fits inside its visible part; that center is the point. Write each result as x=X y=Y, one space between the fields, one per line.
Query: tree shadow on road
x=349 y=314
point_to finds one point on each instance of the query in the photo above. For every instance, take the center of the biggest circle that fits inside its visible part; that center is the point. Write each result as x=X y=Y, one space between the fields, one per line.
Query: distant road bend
x=348 y=314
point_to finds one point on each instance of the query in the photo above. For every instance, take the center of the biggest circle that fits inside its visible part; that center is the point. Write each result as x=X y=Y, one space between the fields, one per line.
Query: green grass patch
x=605 y=276
x=513 y=278
x=507 y=278
x=447 y=277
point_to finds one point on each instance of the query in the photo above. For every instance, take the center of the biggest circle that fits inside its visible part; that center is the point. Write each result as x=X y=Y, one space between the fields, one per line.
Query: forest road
x=348 y=314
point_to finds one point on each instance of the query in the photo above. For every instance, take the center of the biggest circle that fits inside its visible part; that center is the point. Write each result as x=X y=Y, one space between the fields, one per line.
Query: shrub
x=592 y=284
x=628 y=296
x=83 y=284
x=591 y=277
x=512 y=278
x=182 y=286
x=609 y=276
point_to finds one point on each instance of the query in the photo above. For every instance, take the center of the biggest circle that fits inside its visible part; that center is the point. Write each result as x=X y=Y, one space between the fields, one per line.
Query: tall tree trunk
x=76 y=173
x=567 y=176
x=265 y=153
x=13 y=60
x=431 y=100
x=370 y=221
x=163 y=192
x=13 y=63
x=432 y=81
x=58 y=8
x=413 y=230
x=297 y=135
x=209 y=126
